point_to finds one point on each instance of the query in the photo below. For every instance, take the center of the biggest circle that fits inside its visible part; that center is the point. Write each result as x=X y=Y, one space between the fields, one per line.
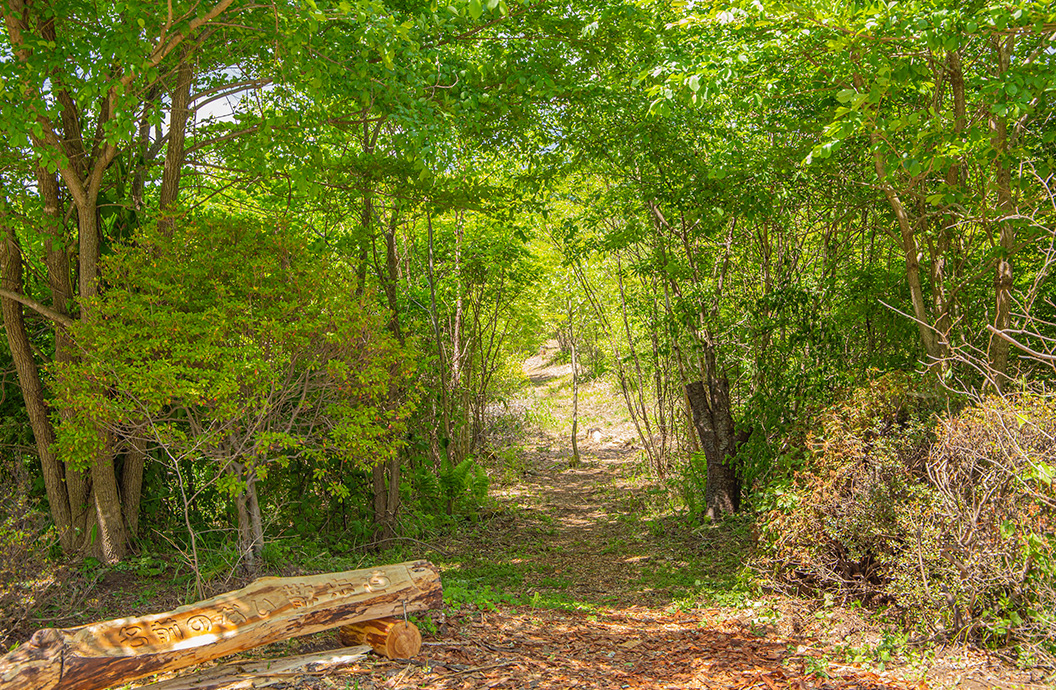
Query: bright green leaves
x=475 y=9
x=266 y=354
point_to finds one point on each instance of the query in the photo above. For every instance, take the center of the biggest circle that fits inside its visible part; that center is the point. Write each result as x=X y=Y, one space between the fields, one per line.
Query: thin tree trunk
x=384 y=512
x=999 y=347
x=444 y=396
x=642 y=411
x=390 y=276
x=910 y=248
x=174 y=155
x=575 y=388
x=132 y=482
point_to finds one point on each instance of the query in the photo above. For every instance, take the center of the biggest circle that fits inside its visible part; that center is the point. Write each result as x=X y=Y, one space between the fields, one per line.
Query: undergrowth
x=947 y=521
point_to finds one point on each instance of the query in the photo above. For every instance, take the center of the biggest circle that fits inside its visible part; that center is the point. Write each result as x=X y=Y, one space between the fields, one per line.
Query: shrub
x=849 y=512
x=951 y=518
x=994 y=528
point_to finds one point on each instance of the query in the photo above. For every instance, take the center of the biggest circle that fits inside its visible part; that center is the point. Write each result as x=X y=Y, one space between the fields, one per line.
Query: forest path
x=601 y=570
x=595 y=543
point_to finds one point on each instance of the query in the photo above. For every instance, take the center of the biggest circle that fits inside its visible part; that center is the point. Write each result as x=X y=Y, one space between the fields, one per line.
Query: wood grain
x=389 y=637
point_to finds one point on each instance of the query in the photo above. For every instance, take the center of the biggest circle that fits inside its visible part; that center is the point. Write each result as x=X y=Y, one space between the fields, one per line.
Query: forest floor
x=588 y=577
x=594 y=577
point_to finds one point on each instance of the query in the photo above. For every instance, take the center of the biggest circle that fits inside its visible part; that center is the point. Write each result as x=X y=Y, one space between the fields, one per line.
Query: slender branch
x=1033 y=353
x=36 y=306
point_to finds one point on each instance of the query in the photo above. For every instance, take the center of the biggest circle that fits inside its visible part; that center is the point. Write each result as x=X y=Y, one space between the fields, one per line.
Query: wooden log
x=252 y=675
x=389 y=637
x=99 y=655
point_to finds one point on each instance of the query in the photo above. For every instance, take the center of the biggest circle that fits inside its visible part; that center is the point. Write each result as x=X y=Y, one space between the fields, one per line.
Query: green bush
x=454 y=490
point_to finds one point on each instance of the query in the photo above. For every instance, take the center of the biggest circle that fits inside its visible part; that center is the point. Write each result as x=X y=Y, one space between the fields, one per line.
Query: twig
x=483 y=668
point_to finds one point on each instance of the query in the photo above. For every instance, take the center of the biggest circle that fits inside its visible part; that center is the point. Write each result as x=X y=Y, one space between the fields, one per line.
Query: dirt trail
x=577 y=530
x=597 y=546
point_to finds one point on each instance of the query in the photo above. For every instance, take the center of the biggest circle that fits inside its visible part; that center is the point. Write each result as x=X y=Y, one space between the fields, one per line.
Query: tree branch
x=36 y=306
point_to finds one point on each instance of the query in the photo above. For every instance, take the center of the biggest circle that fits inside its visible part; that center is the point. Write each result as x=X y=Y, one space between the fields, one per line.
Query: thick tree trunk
x=713 y=420
x=112 y=538
x=60 y=281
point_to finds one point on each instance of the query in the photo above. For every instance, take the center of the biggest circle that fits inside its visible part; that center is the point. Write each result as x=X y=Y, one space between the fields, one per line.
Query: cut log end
x=389 y=637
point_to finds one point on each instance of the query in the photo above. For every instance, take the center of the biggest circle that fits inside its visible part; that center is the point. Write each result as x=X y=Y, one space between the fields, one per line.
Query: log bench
x=270 y=609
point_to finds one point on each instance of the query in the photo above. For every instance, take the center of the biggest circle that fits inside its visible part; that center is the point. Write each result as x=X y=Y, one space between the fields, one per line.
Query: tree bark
x=713 y=420
x=575 y=388
x=386 y=481
x=999 y=347
x=60 y=280
x=132 y=482
x=250 y=522
x=32 y=390
x=179 y=113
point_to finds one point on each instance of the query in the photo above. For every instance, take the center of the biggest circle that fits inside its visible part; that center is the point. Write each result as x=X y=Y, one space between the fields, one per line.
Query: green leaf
x=475 y=9
x=694 y=83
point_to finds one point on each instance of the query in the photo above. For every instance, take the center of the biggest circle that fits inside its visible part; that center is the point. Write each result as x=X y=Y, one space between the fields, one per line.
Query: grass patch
x=709 y=567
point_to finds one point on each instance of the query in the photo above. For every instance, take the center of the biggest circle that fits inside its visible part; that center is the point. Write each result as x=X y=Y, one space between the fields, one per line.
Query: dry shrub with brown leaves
x=992 y=469
x=950 y=519
x=849 y=513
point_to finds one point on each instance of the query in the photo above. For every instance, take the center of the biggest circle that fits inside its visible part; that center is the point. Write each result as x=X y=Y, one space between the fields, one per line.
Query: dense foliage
x=272 y=270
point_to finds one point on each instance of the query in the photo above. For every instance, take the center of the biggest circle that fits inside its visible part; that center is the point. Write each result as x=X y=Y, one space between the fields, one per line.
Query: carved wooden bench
x=270 y=609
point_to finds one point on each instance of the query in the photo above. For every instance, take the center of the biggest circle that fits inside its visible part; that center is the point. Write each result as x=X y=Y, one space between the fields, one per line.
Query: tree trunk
x=132 y=482
x=999 y=347
x=107 y=498
x=32 y=390
x=445 y=404
x=386 y=481
x=60 y=281
x=910 y=248
x=713 y=420
x=179 y=113
x=250 y=524
x=575 y=388
x=391 y=275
